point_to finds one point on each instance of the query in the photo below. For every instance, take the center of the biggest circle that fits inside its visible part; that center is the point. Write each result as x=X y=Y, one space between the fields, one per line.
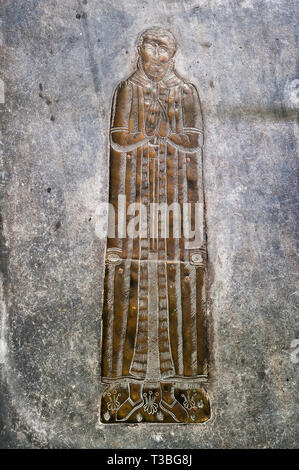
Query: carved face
x=155 y=54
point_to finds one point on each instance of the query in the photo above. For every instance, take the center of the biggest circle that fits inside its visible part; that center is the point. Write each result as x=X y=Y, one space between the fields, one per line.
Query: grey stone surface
x=61 y=61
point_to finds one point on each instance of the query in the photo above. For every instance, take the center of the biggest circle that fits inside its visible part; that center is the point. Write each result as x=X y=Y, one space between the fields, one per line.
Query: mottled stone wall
x=61 y=62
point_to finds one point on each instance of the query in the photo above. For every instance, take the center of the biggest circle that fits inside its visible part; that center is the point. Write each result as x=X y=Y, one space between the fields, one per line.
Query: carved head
x=156 y=47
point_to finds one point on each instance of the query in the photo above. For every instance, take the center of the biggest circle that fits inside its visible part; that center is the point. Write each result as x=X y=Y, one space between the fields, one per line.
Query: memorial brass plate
x=154 y=341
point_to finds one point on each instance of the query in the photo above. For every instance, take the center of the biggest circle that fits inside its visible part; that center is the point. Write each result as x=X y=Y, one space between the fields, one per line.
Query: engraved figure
x=154 y=345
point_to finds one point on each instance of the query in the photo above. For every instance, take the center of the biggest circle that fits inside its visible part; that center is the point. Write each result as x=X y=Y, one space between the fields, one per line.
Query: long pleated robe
x=154 y=292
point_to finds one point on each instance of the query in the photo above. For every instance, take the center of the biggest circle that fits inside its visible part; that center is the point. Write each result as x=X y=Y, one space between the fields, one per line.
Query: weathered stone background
x=61 y=61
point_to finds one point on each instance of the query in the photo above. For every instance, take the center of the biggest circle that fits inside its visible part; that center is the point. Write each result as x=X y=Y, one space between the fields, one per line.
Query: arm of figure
x=122 y=137
x=187 y=141
x=125 y=141
x=190 y=138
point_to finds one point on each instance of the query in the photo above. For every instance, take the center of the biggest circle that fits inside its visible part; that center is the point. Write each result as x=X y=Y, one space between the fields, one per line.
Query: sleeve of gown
x=120 y=115
x=192 y=115
x=121 y=107
x=190 y=139
x=122 y=135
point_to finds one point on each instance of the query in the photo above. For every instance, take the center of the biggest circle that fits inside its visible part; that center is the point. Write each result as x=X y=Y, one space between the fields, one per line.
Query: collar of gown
x=169 y=80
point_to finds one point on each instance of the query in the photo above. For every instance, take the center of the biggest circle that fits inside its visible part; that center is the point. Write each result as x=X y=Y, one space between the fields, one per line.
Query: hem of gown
x=176 y=379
